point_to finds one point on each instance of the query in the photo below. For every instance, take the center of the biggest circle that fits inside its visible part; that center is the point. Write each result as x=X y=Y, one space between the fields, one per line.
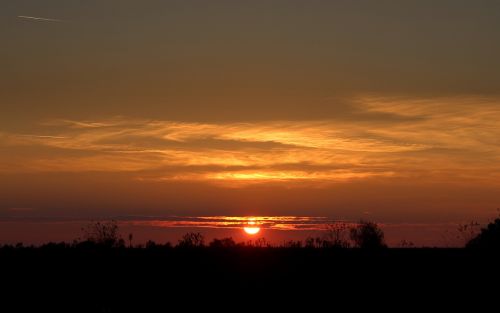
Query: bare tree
x=103 y=233
x=192 y=240
x=337 y=235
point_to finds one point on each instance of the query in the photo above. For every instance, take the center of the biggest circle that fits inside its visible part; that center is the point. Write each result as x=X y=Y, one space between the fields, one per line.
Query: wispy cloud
x=264 y=222
x=442 y=138
x=40 y=19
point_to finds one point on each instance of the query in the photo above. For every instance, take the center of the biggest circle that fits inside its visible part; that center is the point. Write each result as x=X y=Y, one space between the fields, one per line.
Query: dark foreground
x=159 y=280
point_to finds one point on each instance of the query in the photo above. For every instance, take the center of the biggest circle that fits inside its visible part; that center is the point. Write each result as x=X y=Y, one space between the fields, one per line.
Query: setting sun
x=251 y=230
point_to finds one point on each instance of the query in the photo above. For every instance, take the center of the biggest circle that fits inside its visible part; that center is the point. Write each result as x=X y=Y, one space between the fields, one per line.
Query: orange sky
x=193 y=108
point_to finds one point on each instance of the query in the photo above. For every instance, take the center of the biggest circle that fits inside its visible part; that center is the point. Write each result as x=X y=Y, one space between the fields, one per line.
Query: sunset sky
x=337 y=110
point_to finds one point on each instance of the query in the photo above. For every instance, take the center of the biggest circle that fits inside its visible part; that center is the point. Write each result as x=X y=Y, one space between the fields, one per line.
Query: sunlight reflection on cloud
x=264 y=222
x=444 y=138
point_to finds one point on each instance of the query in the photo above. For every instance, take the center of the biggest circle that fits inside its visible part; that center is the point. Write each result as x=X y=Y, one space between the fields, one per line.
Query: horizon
x=276 y=230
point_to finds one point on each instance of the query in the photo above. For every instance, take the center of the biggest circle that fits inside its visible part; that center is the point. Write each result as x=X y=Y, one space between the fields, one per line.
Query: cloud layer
x=238 y=222
x=439 y=138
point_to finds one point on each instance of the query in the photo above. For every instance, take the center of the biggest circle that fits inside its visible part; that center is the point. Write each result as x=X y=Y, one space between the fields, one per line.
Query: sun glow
x=251 y=230
x=252 y=227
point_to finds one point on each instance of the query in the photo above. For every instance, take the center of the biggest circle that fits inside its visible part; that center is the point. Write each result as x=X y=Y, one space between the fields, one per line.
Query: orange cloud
x=442 y=138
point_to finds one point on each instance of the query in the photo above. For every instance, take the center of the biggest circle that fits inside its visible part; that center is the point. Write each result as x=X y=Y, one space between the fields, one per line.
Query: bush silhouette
x=192 y=240
x=223 y=243
x=318 y=242
x=368 y=235
x=292 y=244
x=489 y=237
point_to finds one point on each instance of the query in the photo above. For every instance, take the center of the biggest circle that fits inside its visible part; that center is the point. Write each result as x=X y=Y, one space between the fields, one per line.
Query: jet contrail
x=43 y=137
x=39 y=18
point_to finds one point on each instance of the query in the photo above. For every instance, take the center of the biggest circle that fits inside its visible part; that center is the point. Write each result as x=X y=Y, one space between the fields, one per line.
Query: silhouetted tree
x=368 y=235
x=489 y=237
x=103 y=233
x=223 y=243
x=337 y=234
x=467 y=231
x=192 y=240
x=130 y=237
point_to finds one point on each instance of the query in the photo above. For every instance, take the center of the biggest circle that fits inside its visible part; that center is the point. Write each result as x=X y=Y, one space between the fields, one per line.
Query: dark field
x=150 y=280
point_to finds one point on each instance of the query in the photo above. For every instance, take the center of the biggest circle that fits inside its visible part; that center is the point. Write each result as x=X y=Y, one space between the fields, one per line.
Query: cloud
x=40 y=19
x=264 y=222
x=443 y=139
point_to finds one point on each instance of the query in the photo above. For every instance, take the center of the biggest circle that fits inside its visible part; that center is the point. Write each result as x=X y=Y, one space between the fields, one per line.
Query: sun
x=252 y=227
x=251 y=230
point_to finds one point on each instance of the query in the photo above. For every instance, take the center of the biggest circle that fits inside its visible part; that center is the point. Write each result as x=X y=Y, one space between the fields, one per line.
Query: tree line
x=364 y=235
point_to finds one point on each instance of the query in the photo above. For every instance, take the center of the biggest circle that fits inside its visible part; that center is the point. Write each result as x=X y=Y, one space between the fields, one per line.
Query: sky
x=381 y=110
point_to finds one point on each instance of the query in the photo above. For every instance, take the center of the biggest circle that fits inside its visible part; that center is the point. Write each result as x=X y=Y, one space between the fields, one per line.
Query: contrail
x=39 y=18
x=43 y=137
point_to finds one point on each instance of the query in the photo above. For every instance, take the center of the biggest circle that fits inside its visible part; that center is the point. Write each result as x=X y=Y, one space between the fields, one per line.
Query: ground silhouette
x=96 y=275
